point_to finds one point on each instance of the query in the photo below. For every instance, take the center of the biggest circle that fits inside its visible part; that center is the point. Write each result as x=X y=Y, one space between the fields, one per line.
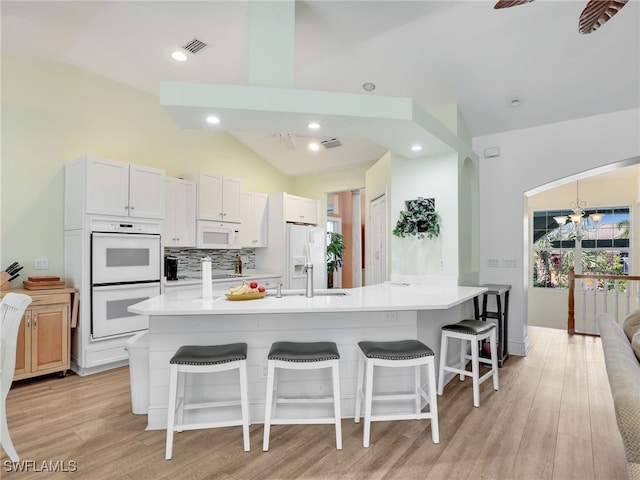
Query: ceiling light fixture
x=314 y=147
x=416 y=148
x=313 y=126
x=213 y=120
x=369 y=86
x=179 y=56
x=578 y=214
x=515 y=102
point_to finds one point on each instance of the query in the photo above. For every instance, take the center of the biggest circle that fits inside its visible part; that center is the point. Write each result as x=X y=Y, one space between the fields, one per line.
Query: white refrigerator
x=303 y=240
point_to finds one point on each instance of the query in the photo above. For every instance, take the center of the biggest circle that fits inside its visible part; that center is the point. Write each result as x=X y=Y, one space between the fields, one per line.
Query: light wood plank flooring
x=551 y=419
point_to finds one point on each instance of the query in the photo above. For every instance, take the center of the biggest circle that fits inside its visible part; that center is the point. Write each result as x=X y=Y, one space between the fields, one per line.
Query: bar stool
x=473 y=331
x=301 y=356
x=403 y=353
x=205 y=359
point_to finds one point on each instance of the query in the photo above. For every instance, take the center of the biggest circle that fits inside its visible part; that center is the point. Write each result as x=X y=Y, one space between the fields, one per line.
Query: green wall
x=53 y=113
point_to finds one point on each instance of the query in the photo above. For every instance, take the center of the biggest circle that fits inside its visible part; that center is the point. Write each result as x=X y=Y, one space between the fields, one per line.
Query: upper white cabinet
x=108 y=187
x=254 y=214
x=300 y=209
x=218 y=197
x=180 y=213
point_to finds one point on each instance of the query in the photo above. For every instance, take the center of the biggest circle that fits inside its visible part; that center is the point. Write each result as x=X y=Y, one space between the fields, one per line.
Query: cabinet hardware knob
x=132 y=208
x=28 y=323
x=35 y=321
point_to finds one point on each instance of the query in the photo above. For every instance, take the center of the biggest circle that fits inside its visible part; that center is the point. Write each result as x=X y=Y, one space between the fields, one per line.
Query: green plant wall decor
x=420 y=219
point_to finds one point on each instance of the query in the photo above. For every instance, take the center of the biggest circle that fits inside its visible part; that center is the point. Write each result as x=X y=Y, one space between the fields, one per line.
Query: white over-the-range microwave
x=219 y=235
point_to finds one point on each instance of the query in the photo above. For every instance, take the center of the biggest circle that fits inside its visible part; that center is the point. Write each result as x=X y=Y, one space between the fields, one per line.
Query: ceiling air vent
x=194 y=46
x=331 y=143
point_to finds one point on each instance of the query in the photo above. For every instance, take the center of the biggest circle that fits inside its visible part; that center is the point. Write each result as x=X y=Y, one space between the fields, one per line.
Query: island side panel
x=259 y=331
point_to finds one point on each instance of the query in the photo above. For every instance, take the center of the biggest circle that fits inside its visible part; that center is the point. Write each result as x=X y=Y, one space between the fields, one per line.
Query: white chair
x=301 y=356
x=396 y=354
x=206 y=359
x=11 y=310
x=474 y=332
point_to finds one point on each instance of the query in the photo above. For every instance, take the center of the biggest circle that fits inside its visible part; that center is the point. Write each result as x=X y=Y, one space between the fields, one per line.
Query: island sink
x=317 y=293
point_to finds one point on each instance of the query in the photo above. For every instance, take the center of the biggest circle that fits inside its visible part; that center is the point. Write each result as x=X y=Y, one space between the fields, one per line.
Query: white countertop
x=382 y=297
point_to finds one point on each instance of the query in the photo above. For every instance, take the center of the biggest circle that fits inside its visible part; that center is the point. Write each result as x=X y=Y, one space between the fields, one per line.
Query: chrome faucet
x=279 y=290
x=308 y=271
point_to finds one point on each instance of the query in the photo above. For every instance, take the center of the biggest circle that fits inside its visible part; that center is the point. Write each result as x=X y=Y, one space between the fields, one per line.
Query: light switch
x=41 y=264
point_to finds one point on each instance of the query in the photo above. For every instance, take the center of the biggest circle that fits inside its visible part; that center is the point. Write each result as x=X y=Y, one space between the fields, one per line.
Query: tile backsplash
x=189 y=259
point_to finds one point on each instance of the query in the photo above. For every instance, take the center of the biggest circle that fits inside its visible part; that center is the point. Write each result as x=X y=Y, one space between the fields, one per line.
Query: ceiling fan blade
x=510 y=3
x=597 y=13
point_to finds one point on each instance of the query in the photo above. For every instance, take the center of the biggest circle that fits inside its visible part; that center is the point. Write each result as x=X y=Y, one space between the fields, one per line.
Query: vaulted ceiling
x=437 y=52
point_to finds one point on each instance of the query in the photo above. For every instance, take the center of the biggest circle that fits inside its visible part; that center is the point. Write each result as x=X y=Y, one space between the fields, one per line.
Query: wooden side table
x=502 y=315
x=43 y=344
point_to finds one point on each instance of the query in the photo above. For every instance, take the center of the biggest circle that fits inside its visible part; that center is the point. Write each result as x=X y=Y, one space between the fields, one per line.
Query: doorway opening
x=345 y=215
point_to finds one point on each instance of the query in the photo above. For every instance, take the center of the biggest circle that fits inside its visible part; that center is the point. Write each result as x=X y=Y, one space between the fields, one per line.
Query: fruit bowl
x=246 y=296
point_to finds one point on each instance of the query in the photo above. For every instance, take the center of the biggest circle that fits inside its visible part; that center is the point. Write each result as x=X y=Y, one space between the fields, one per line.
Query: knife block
x=4 y=282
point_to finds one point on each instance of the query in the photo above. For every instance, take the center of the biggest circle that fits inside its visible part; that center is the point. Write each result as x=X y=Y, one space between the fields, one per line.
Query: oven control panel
x=125 y=226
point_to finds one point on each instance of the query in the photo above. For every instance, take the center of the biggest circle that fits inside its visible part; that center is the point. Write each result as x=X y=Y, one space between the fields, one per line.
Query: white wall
x=429 y=177
x=528 y=159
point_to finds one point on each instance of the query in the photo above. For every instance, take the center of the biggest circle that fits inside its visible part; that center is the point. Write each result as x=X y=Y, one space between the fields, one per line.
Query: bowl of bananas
x=246 y=291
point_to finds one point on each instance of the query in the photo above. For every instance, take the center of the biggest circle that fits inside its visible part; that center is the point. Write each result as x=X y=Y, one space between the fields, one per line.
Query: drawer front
x=49 y=299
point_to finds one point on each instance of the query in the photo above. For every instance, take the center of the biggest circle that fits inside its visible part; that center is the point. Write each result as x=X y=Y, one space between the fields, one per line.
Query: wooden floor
x=551 y=419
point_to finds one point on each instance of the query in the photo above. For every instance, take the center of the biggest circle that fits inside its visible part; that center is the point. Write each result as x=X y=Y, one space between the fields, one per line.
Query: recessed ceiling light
x=314 y=126
x=515 y=102
x=314 y=146
x=369 y=86
x=416 y=148
x=212 y=119
x=179 y=56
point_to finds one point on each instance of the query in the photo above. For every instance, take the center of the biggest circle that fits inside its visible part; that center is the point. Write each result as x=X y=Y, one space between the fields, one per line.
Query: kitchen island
x=379 y=312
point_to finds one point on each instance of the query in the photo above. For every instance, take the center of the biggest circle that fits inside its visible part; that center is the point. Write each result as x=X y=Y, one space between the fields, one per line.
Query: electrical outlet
x=390 y=317
x=41 y=264
x=262 y=372
x=509 y=263
x=493 y=262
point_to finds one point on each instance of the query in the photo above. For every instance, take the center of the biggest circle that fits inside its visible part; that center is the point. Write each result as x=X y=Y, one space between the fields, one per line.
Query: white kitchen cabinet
x=123 y=189
x=180 y=213
x=255 y=221
x=218 y=197
x=300 y=209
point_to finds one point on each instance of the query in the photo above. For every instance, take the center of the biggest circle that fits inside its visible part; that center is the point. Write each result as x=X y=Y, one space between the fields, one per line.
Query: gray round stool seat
x=470 y=327
x=395 y=350
x=303 y=351
x=301 y=356
x=209 y=354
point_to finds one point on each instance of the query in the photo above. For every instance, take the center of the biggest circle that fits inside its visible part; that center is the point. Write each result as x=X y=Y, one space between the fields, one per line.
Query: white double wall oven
x=125 y=269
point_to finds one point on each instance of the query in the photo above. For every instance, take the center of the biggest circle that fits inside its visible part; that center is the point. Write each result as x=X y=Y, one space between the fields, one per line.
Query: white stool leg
x=494 y=359
x=463 y=354
x=433 y=401
x=368 y=400
x=416 y=389
x=244 y=405
x=475 y=373
x=171 y=409
x=336 y=403
x=181 y=399
x=268 y=404
x=443 y=361
x=358 y=406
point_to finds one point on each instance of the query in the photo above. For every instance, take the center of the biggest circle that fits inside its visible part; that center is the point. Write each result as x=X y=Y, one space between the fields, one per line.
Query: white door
x=146 y=192
x=377 y=240
x=107 y=187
